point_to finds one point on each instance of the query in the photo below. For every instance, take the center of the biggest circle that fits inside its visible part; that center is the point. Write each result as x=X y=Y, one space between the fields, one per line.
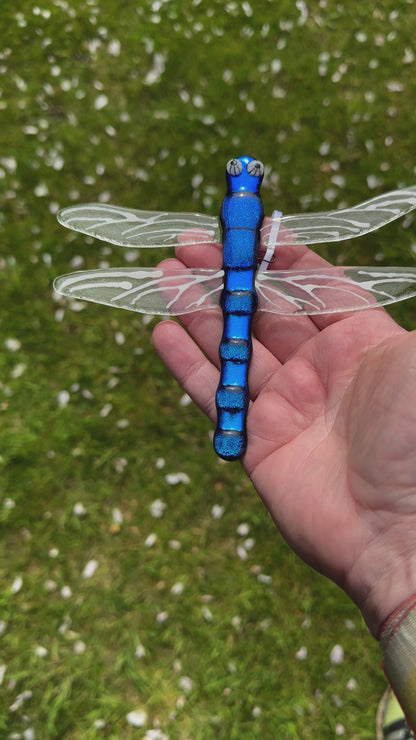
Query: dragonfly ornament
x=243 y=286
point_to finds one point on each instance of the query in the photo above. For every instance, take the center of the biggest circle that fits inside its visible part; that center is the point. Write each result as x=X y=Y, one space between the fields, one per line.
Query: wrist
x=384 y=588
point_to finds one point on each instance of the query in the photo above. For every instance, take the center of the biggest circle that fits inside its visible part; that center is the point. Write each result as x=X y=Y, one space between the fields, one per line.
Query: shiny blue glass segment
x=241 y=218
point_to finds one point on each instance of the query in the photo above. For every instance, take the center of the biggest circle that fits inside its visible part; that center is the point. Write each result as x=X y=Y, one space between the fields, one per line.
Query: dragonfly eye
x=255 y=168
x=234 y=167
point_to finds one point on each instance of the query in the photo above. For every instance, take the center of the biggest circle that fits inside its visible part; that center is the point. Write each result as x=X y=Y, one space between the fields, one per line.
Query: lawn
x=145 y=591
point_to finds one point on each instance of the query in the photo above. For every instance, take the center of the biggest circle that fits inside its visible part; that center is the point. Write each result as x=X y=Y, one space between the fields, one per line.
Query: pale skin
x=331 y=432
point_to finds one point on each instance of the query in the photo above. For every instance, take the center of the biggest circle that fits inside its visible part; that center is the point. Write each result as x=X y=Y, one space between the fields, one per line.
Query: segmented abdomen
x=241 y=218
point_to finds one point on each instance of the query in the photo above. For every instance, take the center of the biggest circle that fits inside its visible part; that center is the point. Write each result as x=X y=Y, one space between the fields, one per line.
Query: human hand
x=331 y=432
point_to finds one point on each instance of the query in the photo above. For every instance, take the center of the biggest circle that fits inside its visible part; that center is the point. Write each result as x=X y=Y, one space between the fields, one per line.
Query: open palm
x=331 y=432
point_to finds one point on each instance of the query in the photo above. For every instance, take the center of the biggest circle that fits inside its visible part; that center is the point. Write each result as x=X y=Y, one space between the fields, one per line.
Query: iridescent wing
x=128 y=227
x=175 y=292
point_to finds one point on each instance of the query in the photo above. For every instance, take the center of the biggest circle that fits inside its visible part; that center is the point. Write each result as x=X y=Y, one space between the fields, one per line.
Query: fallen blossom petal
x=301 y=654
x=186 y=684
x=150 y=540
x=16 y=585
x=63 y=399
x=217 y=511
x=157 y=508
x=337 y=655
x=90 y=569
x=13 y=345
x=137 y=718
x=174 y=478
x=79 y=510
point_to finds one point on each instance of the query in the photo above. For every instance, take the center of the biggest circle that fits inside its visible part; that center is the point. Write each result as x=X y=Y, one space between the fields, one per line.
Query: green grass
x=315 y=97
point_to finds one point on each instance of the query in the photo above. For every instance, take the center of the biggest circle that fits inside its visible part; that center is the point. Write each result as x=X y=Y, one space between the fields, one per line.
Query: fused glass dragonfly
x=243 y=286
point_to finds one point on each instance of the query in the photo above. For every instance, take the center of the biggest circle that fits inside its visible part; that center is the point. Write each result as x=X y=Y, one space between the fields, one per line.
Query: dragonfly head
x=244 y=174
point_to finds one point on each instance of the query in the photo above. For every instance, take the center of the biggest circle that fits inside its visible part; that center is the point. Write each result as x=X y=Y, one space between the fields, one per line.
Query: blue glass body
x=241 y=218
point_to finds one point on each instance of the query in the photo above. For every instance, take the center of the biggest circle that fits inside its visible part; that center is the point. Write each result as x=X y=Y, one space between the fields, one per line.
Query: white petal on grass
x=301 y=654
x=263 y=578
x=120 y=463
x=116 y=516
x=140 y=651
x=155 y=734
x=100 y=102
x=63 y=398
x=352 y=684
x=64 y=627
x=155 y=73
x=186 y=684
x=337 y=655
x=40 y=651
x=66 y=592
x=18 y=370
x=217 y=511
x=20 y=699
x=106 y=409
x=13 y=345
x=185 y=400
x=373 y=182
x=79 y=510
x=162 y=617
x=243 y=529
x=137 y=718
x=172 y=479
x=361 y=37
x=3 y=669
x=241 y=552
x=177 y=589
x=90 y=569
x=157 y=508
x=79 y=647
x=249 y=543
x=41 y=190
x=207 y=614
x=77 y=306
x=119 y=338
x=50 y=585
x=16 y=585
x=9 y=163
x=150 y=540
x=114 y=48
x=160 y=463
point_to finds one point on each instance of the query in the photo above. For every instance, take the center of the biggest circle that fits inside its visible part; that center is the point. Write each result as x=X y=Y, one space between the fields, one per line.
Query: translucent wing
x=333 y=289
x=148 y=290
x=346 y=223
x=128 y=227
x=289 y=292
